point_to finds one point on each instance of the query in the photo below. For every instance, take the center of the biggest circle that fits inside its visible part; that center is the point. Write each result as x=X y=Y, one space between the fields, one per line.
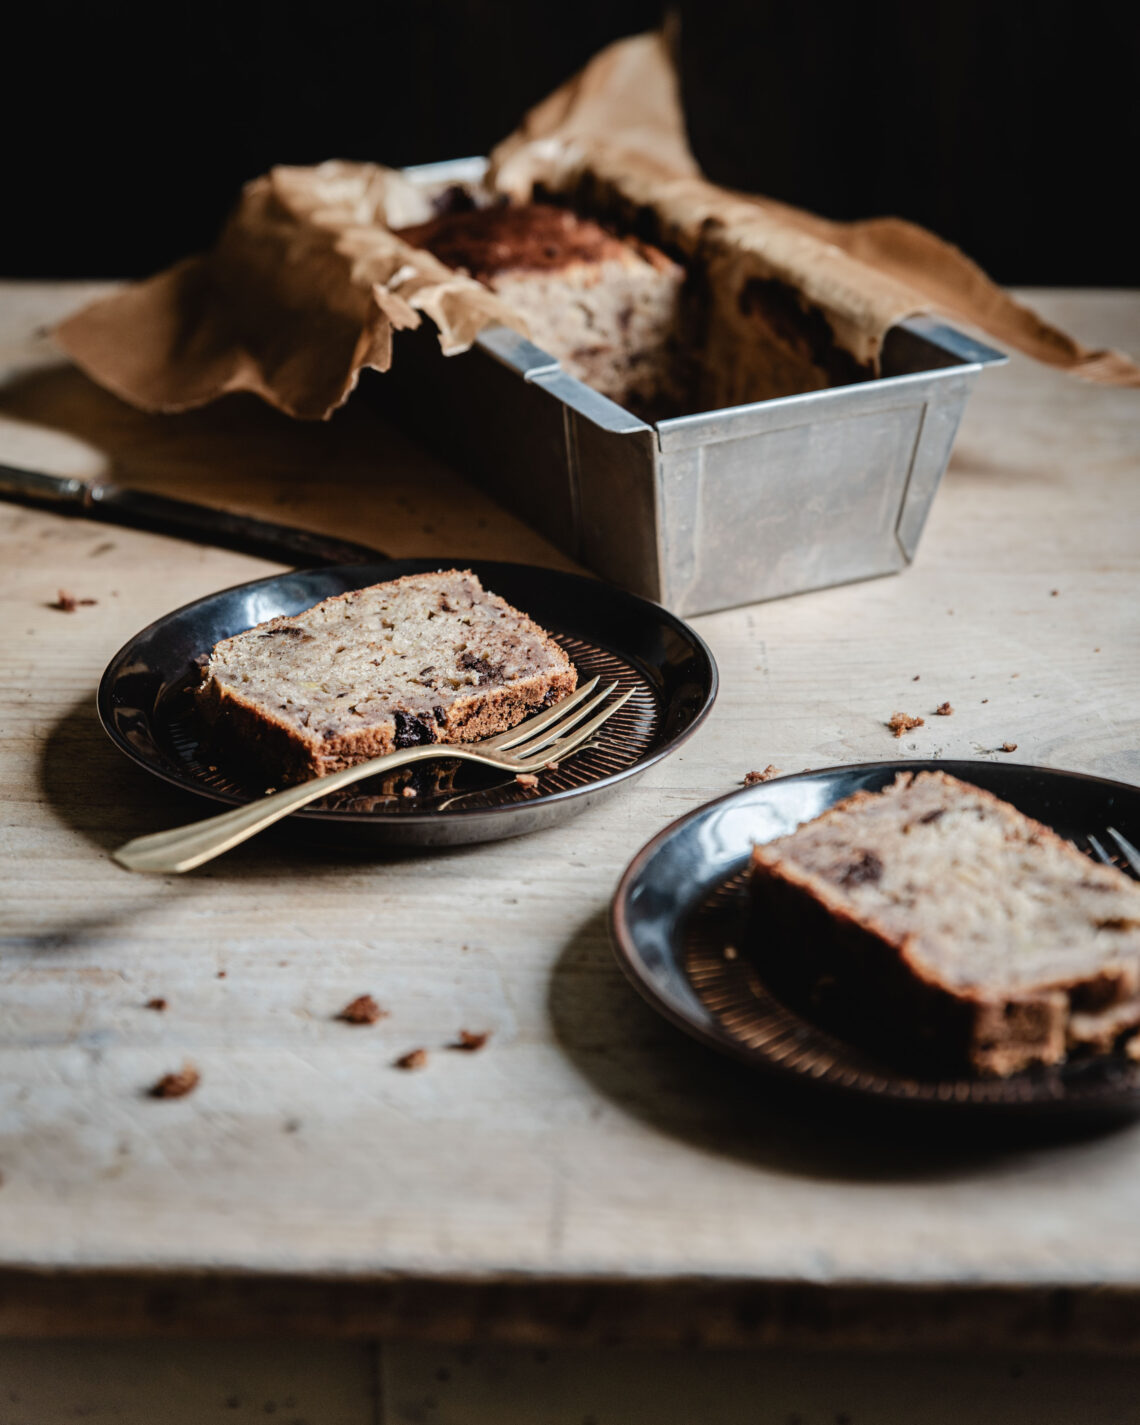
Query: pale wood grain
x=588 y=1141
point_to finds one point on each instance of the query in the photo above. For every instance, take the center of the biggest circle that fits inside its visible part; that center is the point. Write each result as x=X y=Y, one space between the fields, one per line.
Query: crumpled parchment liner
x=307 y=283
x=303 y=291
x=864 y=275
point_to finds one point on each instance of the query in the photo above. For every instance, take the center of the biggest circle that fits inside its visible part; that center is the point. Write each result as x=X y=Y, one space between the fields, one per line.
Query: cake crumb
x=985 y=700
x=362 y=1010
x=221 y=975
x=1053 y=593
x=413 y=1059
x=916 y=677
x=408 y=792
x=526 y=779
x=177 y=1085
x=551 y=766
x=470 y=1042
x=67 y=603
x=157 y=1003
x=943 y=710
x=902 y=722
x=1008 y=747
x=751 y=778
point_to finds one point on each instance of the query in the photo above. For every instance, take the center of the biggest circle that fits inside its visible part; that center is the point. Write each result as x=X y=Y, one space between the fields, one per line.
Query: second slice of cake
x=426 y=658
x=934 y=918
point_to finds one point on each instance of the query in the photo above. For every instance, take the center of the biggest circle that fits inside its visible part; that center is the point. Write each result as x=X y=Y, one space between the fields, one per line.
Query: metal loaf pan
x=704 y=511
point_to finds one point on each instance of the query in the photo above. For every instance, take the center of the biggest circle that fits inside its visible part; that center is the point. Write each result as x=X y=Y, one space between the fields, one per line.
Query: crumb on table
x=413 y=1059
x=469 y=1041
x=362 y=1010
x=67 y=603
x=902 y=722
x=943 y=710
x=157 y=1003
x=1008 y=747
x=751 y=778
x=177 y=1085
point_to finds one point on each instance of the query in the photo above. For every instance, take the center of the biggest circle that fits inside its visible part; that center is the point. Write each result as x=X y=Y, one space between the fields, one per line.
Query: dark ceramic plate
x=146 y=707
x=682 y=902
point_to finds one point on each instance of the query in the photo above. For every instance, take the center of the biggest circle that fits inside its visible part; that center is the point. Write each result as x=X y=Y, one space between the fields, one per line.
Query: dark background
x=1009 y=128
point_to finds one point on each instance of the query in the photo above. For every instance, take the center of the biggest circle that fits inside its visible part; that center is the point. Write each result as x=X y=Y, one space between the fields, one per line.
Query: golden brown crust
x=534 y=237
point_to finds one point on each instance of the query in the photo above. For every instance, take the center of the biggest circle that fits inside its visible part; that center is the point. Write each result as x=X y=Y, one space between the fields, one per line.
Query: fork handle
x=184 y=847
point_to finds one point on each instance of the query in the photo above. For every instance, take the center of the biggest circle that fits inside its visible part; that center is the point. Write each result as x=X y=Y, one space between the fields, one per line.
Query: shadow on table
x=236 y=450
x=101 y=795
x=653 y=1071
x=391 y=491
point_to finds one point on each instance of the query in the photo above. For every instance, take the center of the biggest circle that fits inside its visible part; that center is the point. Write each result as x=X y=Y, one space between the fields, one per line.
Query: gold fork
x=528 y=747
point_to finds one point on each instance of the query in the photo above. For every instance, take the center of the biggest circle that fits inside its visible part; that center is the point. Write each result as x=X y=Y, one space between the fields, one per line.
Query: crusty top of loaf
x=976 y=893
x=536 y=237
x=408 y=648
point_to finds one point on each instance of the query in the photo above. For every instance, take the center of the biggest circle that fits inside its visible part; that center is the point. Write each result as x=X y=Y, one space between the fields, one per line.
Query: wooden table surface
x=590 y=1174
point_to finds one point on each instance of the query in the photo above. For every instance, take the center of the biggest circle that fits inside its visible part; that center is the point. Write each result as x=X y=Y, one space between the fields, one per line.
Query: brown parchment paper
x=303 y=290
x=307 y=283
x=619 y=123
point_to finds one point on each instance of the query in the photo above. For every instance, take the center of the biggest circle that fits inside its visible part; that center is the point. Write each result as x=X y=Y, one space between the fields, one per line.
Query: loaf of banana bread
x=426 y=658
x=935 y=919
x=606 y=307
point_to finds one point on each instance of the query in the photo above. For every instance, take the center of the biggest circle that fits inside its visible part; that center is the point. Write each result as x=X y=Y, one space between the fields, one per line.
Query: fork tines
x=1128 y=852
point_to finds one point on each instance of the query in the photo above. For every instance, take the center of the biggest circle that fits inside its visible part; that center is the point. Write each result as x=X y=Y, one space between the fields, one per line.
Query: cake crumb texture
x=606 y=307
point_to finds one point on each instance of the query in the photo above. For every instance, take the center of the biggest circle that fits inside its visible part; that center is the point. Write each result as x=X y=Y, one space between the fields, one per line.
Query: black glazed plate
x=146 y=707
x=682 y=901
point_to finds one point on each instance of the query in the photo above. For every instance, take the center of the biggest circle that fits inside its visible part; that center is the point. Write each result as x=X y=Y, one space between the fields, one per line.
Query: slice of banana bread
x=933 y=916
x=426 y=658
